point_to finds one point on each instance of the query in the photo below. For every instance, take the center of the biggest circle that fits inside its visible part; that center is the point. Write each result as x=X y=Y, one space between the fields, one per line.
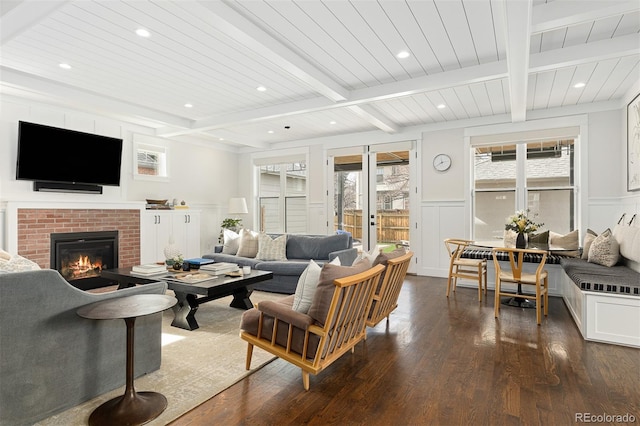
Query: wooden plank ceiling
x=328 y=67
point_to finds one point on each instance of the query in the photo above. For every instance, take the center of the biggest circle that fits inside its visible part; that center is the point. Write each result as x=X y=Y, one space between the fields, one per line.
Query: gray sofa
x=300 y=249
x=50 y=358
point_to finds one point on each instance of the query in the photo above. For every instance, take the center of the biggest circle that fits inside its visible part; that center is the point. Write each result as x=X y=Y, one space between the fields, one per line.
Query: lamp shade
x=238 y=206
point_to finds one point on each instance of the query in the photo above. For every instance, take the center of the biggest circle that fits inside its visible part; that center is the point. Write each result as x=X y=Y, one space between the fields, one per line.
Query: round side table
x=132 y=408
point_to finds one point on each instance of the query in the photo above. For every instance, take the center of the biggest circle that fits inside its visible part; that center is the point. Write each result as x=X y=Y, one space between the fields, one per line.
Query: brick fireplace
x=34 y=227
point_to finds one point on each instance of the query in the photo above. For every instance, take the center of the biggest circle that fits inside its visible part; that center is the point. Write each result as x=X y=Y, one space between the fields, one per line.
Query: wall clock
x=441 y=162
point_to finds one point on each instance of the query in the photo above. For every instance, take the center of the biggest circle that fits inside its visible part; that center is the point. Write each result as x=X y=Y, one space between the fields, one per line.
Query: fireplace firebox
x=81 y=256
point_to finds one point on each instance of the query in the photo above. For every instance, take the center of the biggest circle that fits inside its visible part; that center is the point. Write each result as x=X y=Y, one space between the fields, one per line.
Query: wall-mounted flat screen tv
x=51 y=154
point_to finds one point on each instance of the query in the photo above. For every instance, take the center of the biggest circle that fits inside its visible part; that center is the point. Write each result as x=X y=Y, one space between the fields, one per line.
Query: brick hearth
x=36 y=225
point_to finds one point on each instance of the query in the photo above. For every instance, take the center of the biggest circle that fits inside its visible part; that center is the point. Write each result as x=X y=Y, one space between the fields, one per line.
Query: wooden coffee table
x=192 y=295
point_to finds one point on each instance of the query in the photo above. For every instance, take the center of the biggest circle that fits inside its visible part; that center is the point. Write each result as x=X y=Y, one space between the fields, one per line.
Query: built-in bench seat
x=587 y=276
x=603 y=301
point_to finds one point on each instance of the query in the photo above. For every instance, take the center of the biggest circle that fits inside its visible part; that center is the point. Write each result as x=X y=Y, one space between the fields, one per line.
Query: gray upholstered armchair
x=50 y=358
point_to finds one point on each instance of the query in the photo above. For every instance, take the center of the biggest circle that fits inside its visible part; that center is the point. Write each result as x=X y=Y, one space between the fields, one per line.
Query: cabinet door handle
x=159 y=219
x=189 y=216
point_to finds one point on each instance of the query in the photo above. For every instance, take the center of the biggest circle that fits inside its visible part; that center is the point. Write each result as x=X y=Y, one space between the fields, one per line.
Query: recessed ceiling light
x=579 y=85
x=270 y=131
x=221 y=139
x=261 y=89
x=143 y=33
x=403 y=54
x=332 y=122
x=441 y=106
x=188 y=105
x=65 y=66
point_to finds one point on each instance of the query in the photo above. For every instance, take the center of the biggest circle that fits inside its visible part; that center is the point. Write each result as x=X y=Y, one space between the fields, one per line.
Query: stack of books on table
x=149 y=269
x=197 y=263
x=219 y=268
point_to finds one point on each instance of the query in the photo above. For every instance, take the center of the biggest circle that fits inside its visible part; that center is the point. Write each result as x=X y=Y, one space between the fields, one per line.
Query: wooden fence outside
x=393 y=225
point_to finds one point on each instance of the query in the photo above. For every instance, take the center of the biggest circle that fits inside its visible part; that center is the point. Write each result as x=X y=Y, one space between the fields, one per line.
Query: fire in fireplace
x=81 y=256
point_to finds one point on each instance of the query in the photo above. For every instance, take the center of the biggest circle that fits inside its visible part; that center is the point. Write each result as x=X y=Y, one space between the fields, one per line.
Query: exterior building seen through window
x=536 y=176
x=283 y=198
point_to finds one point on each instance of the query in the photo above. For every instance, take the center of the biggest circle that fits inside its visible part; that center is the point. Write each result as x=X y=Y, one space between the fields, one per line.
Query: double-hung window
x=282 y=196
x=531 y=175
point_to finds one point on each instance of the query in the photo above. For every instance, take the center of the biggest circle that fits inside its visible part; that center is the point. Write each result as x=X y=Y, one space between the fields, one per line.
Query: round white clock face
x=441 y=162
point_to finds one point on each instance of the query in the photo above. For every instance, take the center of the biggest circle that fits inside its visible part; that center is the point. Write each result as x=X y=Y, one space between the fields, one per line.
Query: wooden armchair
x=385 y=298
x=336 y=322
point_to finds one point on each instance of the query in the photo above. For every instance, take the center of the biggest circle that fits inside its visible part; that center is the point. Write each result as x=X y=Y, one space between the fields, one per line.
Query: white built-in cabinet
x=158 y=226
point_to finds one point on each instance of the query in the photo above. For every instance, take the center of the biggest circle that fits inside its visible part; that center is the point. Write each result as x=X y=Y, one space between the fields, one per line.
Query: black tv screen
x=51 y=154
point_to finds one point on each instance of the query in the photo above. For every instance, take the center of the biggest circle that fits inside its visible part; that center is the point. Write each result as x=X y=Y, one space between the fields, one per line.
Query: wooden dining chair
x=459 y=267
x=515 y=275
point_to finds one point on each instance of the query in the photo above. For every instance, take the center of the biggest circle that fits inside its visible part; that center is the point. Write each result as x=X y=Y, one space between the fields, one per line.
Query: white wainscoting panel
x=440 y=221
x=613 y=318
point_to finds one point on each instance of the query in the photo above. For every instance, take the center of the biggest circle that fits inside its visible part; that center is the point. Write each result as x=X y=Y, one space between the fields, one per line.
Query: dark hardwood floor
x=445 y=362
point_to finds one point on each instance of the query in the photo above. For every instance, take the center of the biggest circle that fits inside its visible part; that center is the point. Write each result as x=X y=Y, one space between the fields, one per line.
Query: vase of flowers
x=521 y=223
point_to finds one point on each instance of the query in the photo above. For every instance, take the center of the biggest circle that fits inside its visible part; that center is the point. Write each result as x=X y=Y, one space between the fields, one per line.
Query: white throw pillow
x=509 y=238
x=570 y=242
x=272 y=248
x=589 y=237
x=16 y=263
x=231 y=242
x=248 y=246
x=368 y=255
x=604 y=250
x=5 y=255
x=307 y=284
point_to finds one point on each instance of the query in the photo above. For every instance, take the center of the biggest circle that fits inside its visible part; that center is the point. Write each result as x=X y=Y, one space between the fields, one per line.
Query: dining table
x=521 y=301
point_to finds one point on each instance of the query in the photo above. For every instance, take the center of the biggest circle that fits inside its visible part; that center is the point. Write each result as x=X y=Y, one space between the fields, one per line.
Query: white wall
x=444 y=201
x=448 y=185
x=204 y=177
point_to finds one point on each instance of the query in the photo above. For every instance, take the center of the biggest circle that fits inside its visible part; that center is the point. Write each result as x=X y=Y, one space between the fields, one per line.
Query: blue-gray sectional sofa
x=300 y=249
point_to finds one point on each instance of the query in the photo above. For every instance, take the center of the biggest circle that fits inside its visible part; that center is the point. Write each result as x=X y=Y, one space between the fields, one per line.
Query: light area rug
x=216 y=360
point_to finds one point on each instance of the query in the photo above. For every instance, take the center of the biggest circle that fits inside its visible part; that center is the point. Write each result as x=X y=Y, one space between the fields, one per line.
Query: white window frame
x=561 y=127
x=288 y=157
x=153 y=145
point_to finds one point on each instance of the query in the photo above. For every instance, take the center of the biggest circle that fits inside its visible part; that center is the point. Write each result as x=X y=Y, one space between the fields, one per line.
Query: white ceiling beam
x=518 y=24
x=585 y=53
x=24 y=16
x=458 y=77
x=560 y=14
x=249 y=35
x=16 y=80
x=259 y=114
x=370 y=114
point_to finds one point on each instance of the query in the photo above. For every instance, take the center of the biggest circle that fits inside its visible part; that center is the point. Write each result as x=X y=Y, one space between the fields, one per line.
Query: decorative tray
x=189 y=277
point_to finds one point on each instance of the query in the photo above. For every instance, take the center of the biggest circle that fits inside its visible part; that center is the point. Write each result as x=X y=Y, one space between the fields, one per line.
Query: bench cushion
x=485 y=253
x=593 y=277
